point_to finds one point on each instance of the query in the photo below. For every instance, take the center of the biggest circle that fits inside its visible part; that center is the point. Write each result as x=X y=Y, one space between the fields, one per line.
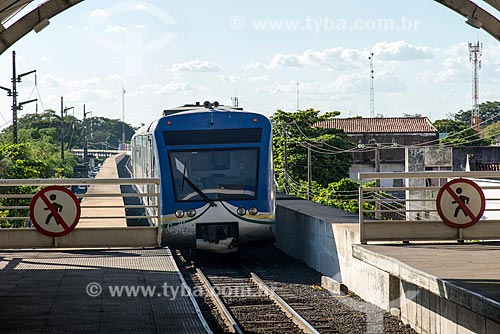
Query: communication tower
x=475 y=53
x=372 y=92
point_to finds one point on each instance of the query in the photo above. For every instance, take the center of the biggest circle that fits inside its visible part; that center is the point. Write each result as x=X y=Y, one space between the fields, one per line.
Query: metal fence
x=409 y=210
x=103 y=207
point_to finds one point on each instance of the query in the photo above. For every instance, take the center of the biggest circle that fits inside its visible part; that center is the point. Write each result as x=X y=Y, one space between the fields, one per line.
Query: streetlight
x=85 y=142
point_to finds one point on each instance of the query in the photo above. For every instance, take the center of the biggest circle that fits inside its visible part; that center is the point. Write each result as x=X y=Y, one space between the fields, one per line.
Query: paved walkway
x=92 y=206
x=49 y=291
x=468 y=273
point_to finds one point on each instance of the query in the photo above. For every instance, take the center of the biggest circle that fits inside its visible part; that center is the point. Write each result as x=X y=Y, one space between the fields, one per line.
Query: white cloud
x=85 y=95
x=345 y=59
x=344 y=84
x=195 y=66
x=258 y=78
x=139 y=26
x=139 y=7
x=50 y=81
x=115 y=78
x=99 y=13
x=112 y=28
x=327 y=59
x=176 y=87
x=229 y=78
x=402 y=51
x=455 y=66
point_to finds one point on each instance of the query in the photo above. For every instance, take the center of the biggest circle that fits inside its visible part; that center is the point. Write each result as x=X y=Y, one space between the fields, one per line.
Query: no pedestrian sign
x=460 y=203
x=55 y=211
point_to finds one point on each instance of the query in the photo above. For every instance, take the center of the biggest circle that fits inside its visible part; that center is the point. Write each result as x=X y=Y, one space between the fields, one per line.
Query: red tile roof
x=380 y=125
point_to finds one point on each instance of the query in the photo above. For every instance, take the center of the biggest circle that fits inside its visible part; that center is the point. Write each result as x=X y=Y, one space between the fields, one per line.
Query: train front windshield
x=227 y=174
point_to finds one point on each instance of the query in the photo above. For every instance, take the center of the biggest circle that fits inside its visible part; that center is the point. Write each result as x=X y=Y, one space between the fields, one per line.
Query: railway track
x=252 y=311
x=248 y=305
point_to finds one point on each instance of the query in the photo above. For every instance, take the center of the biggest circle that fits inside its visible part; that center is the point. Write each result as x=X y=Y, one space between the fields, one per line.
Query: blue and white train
x=215 y=167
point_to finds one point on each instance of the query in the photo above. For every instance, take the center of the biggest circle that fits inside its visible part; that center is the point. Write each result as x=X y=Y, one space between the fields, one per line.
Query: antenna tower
x=372 y=92
x=475 y=53
x=235 y=100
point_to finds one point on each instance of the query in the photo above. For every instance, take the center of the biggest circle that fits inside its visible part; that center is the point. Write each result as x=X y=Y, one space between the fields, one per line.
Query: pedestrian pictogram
x=55 y=211
x=460 y=203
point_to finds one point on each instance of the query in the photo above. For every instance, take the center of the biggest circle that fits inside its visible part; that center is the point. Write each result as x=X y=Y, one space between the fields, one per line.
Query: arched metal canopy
x=475 y=15
x=36 y=19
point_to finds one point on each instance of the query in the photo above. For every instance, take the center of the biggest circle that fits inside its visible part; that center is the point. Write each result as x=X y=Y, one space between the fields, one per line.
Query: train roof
x=198 y=107
x=187 y=108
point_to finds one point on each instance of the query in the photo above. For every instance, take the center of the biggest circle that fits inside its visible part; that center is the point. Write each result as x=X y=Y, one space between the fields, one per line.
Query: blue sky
x=169 y=53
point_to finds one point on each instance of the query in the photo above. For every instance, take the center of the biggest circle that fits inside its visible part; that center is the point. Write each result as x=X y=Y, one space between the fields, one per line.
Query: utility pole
x=285 y=158
x=377 y=181
x=63 y=111
x=309 y=171
x=85 y=143
x=14 y=98
x=13 y=92
x=62 y=128
x=123 y=117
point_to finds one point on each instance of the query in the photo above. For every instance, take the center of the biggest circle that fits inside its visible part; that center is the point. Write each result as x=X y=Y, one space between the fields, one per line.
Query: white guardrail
x=408 y=210
x=102 y=205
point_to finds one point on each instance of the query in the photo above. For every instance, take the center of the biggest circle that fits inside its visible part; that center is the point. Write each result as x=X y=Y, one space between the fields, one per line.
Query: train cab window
x=229 y=174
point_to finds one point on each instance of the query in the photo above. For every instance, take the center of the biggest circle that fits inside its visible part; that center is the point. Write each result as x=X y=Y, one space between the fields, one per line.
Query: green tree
x=492 y=132
x=330 y=161
x=467 y=137
x=488 y=111
x=450 y=125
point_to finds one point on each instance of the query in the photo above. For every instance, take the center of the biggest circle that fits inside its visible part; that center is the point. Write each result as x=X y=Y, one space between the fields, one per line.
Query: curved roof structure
x=475 y=15
x=36 y=19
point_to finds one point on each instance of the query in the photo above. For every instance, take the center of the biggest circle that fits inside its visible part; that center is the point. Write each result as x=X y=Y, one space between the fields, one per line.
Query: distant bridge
x=96 y=153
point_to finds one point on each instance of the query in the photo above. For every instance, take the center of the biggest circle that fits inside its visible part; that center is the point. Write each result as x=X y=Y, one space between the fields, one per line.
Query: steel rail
x=224 y=312
x=287 y=309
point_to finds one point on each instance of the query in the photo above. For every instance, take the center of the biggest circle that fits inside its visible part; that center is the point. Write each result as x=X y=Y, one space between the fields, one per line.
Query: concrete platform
x=465 y=275
x=437 y=289
x=93 y=206
x=71 y=291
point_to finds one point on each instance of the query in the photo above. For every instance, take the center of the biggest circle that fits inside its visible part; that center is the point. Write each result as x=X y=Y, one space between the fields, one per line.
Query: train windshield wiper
x=182 y=169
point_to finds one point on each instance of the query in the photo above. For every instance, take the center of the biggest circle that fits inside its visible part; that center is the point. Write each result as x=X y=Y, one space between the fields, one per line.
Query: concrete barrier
x=17 y=238
x=323 y=237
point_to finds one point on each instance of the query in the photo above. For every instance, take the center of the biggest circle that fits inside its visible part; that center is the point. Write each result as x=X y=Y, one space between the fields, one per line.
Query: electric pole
x=85 y=142
x=123 y=118
x=377 y=181
x=14 y=98
x=285 y=158
x=309 y=171
x=13 y=92
x=62 y=128
x=63 y=110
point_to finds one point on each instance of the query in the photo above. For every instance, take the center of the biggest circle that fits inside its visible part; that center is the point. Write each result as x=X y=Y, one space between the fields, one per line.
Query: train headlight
x=191 y=212
x=241 y=211
x=253 y=211
x=179 y=213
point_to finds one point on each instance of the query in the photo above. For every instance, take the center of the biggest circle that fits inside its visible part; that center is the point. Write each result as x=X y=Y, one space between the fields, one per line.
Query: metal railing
x=103 y=220
x=408 y=210
x=32 y=186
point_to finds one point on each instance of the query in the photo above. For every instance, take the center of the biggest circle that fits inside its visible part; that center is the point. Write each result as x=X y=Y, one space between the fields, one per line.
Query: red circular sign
x=460 y=203
x=55 y=211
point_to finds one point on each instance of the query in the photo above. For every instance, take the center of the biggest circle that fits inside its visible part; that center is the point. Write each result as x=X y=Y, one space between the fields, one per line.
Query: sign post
x=460 y=203
x=55 y=211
